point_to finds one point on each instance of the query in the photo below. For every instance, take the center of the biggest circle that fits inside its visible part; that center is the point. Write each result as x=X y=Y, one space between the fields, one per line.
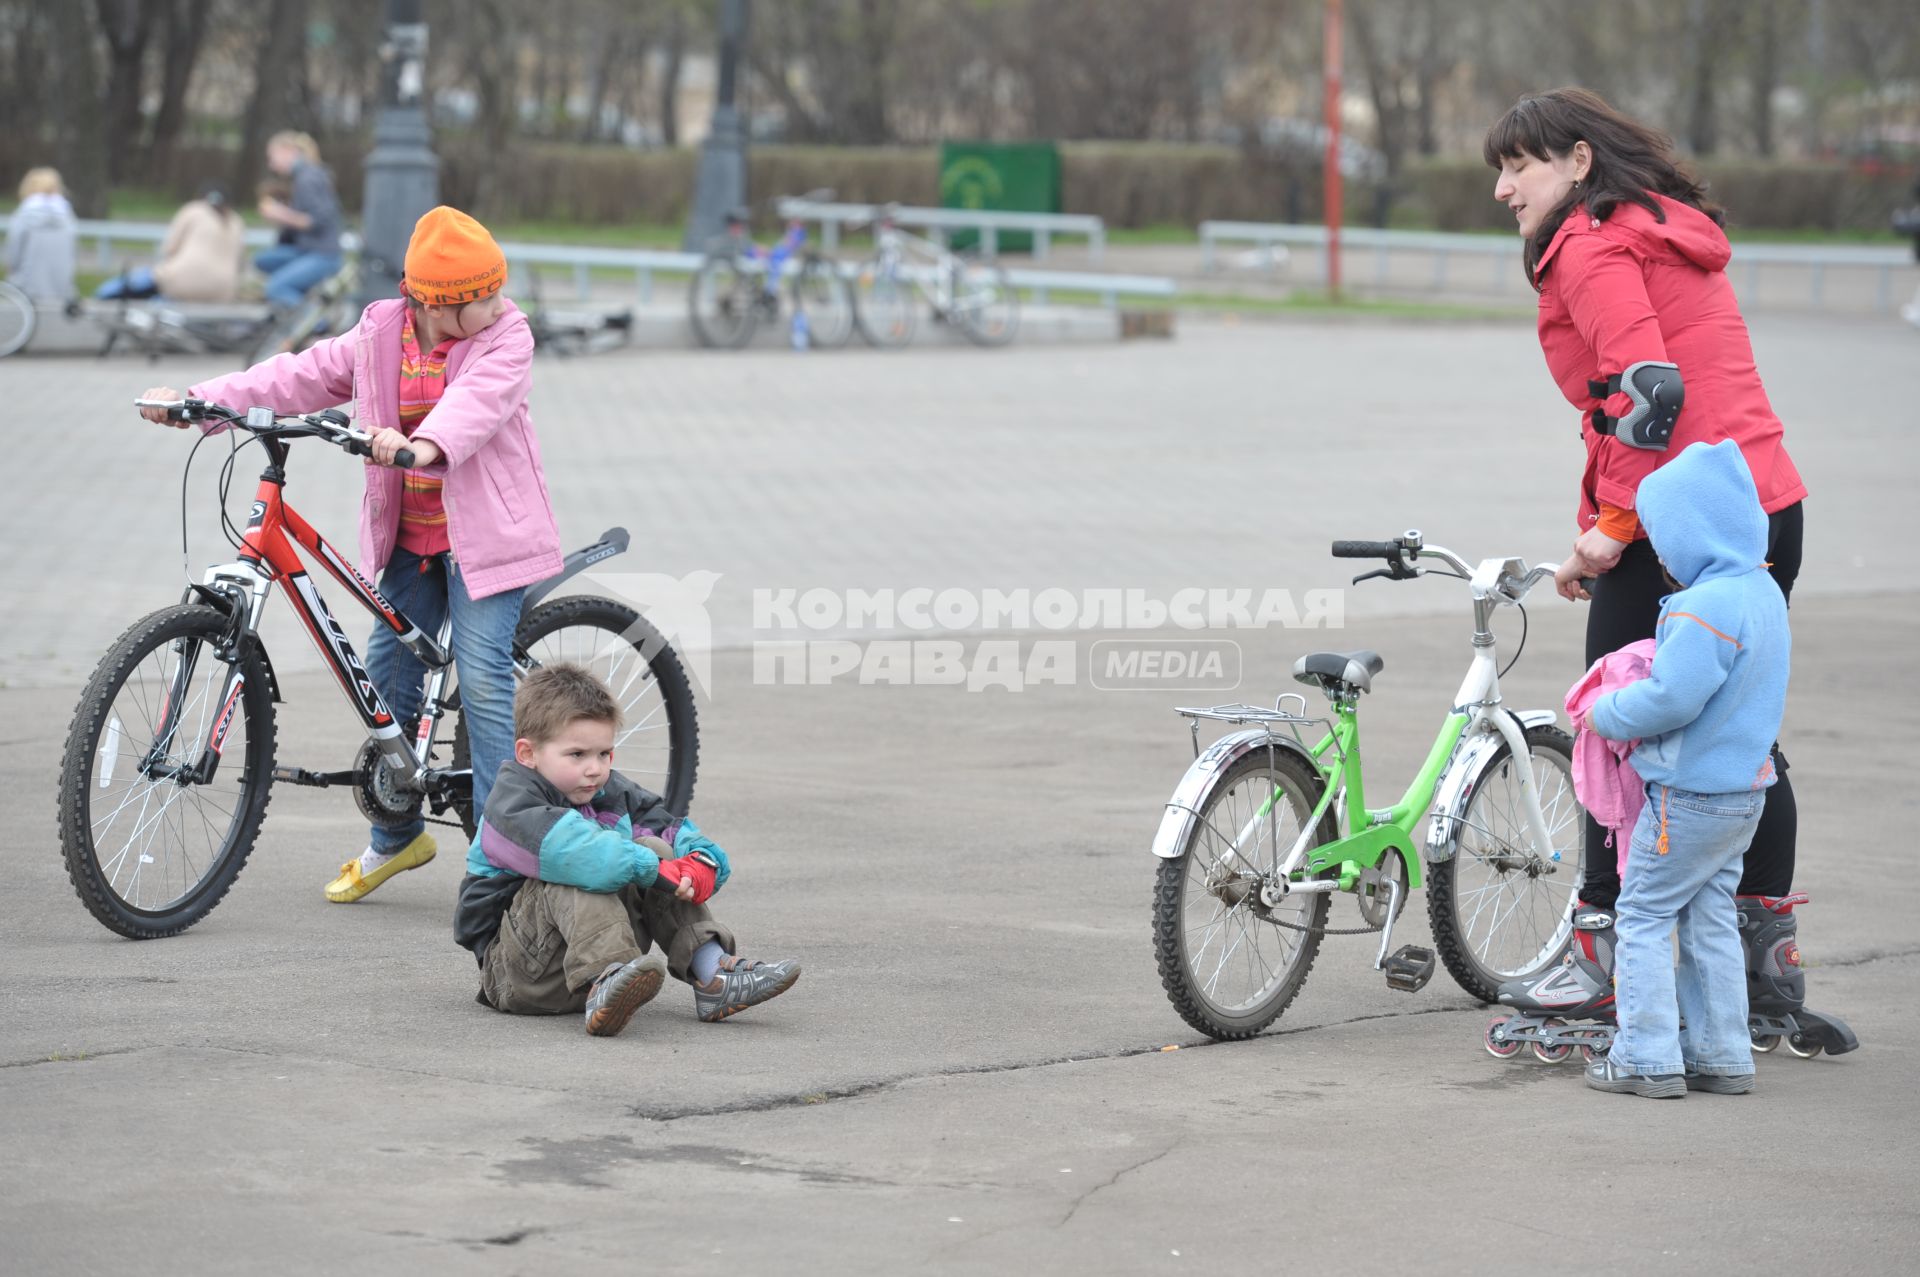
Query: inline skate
x=1776 y=985
x=1569 y=1004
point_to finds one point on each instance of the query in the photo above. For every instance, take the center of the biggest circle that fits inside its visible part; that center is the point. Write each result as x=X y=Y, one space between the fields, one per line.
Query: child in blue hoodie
x=1706 y=718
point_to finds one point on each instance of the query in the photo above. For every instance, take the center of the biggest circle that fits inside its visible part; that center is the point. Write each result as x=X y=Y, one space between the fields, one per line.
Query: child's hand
x=159 y=415
x=696 y=877
x=387 y=443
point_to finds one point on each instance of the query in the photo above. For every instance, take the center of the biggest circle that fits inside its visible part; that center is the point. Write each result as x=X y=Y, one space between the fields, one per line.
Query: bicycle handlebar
x=1366 y=549
x=331 y=426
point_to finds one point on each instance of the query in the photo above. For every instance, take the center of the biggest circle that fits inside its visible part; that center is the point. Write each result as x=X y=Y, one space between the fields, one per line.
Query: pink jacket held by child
x=1603 y=776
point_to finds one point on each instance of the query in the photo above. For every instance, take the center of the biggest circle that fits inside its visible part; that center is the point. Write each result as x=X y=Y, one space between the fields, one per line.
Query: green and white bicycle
x=1266 y=826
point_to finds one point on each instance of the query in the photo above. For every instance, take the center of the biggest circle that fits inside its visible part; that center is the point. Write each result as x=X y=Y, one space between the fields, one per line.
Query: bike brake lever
x=1368 y=576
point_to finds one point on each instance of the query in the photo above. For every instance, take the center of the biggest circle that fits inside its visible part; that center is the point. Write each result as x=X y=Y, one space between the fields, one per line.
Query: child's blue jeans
x=1682 y=868
x=482 y=656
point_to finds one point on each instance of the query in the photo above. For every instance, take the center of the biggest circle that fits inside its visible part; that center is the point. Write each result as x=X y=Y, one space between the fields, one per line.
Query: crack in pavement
x=1110 y=1181
x=78 y=1057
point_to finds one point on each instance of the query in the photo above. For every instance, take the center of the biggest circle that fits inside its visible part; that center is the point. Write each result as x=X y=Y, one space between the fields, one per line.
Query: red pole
x=1331 y=74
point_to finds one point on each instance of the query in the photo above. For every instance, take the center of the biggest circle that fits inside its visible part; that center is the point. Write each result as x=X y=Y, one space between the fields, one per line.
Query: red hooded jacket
x=1615 y=292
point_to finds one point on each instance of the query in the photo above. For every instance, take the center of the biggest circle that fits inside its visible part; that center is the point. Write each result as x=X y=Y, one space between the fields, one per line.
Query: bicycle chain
x=1326 y=931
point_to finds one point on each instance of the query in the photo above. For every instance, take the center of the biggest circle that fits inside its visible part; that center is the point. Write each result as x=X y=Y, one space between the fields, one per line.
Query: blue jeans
x=1690 y=888
x=137 y=282
x=423 y=589
x=291 y=273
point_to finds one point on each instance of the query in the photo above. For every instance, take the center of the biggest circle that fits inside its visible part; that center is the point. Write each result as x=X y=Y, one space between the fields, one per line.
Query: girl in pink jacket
x=444 y=371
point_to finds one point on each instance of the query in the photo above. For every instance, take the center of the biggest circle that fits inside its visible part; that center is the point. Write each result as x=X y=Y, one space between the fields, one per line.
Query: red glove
x=693 y=869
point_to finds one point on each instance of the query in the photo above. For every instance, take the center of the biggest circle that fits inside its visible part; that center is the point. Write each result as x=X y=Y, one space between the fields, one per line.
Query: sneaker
x=748 y=984
x=1721 y=1083
x=352 y=883
x=1604 y=1075
x=622 y=989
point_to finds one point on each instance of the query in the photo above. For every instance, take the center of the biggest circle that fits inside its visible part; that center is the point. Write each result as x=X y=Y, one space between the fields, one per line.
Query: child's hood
x=1702 y=513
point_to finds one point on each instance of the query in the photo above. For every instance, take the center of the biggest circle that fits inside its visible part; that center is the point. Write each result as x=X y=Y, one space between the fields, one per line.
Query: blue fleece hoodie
x=1710 y=712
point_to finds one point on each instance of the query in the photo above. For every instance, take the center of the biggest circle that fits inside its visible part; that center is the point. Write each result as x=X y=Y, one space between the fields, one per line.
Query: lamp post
x=403 y=173
x=722 y=180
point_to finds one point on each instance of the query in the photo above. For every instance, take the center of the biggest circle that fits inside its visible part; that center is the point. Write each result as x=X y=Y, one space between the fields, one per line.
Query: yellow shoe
x=352 y=884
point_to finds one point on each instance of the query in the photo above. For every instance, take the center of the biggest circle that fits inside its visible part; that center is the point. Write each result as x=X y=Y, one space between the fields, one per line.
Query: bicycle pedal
x=1409 y=968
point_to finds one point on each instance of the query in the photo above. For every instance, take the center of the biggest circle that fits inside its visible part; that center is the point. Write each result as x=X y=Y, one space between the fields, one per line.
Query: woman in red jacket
x=1638 y=323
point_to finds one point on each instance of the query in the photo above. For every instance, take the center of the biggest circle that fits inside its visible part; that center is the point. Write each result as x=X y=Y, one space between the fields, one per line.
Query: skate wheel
x=1548 y=1054
x=1501 y=1048
x=1806 y=1052
x=1764 y=1042
x=1588 y=1054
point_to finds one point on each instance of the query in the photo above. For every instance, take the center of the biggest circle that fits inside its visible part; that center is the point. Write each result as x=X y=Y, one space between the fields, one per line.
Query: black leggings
x=1625 y=609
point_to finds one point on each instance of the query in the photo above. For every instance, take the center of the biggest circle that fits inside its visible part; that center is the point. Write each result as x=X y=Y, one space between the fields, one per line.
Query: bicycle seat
x=1354 y=669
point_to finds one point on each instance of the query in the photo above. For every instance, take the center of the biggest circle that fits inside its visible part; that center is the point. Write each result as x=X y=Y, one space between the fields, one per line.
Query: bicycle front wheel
x=884 y=305
x=658 y=744
x=17 y=319
x=985 y=306
x=166 y=774
x=1502 y=907
x=721 y=302
x=1230 y=963
x=821 y=292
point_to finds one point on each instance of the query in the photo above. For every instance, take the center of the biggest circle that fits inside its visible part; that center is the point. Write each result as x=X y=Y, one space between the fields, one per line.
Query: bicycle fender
x=613 y=541
x=1456 y=787
x=1201 y=776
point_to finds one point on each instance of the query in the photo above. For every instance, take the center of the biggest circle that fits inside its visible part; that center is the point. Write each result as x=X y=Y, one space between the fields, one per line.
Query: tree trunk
x=126 y=24
x=1766 y=73
x=277 y=68
x=184 y=29
x=1383 y=85
x=79 y=115
x=611 y=49
x=670 y=79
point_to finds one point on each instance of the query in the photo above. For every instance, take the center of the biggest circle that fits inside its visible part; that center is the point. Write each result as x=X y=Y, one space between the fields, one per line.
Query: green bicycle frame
x=1375 y=833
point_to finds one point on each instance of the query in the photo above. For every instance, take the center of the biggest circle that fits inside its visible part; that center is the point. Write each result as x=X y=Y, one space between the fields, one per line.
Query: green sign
x=1015 y=176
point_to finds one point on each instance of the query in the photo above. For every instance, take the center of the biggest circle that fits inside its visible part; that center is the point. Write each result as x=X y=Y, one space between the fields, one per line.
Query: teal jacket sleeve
x=688 y=839
x=1691 y=662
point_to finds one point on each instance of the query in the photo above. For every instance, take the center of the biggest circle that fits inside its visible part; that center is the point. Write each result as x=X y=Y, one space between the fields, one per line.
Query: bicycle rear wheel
x=17 y=319
x=658 y=744
x=722 y=302
x=1229 y=963
x=884 y=305
x=1502 y=908
x=150 y=846
x=824 y=295
x=985 y=306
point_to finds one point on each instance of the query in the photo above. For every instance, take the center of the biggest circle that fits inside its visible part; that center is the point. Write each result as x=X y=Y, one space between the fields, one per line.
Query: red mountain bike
x=170 y=756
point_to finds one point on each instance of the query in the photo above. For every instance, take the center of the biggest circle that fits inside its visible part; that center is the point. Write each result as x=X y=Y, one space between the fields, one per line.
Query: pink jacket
x=1603 y=776
x=499 y=516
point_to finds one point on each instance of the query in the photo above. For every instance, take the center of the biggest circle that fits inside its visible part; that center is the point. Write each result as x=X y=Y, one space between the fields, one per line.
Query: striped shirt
x=423 y=379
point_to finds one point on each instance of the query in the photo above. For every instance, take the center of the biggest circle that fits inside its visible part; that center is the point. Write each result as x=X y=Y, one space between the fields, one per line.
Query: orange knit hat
x=452 y=260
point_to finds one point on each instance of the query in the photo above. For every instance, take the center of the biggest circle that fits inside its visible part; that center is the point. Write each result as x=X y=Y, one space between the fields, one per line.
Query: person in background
x=42 y=237
x=200 y=258
x=311 y=212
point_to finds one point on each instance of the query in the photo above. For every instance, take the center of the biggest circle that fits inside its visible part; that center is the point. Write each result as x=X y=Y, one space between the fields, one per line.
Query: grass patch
x=1163 y=234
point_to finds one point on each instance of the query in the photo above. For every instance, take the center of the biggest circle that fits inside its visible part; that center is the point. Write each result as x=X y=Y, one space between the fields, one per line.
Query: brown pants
x=554 y=942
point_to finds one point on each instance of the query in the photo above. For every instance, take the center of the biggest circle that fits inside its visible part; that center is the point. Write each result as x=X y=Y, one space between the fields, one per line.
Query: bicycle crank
x=380 y=792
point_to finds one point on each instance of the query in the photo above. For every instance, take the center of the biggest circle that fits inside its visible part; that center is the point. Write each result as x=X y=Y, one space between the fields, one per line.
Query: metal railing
x=645 y=263
x=940 y=222
x=1502 y=254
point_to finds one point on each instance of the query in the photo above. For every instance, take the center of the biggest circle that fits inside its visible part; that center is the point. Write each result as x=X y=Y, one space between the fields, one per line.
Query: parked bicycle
x=738 y=288
x=18 y=318
x=567 y=333
x=970 y=292
x=1265 y=827
x=170 y=757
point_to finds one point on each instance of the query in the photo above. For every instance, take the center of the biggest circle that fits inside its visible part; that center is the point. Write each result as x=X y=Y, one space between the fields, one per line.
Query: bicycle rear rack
x=1242 y=714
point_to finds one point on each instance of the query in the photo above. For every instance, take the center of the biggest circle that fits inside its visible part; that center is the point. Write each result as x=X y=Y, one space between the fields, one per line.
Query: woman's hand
x=159 y=415
x=1600 y=551
x=1568 y=576
x=387 y=443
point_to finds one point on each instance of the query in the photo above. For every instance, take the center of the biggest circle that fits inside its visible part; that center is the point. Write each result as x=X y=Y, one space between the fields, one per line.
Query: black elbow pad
x=1657 y=393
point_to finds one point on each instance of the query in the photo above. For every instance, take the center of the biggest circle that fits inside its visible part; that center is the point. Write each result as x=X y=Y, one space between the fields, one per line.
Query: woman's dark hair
x=216 y=195
x=1631 y=162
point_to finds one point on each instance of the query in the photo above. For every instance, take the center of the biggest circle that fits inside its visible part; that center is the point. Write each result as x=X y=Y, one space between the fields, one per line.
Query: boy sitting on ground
x=556 y=903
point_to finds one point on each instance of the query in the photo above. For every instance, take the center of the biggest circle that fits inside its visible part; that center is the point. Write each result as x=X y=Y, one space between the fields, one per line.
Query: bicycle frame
x=897 y=247
x=1477 y=715
x=268 y=555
